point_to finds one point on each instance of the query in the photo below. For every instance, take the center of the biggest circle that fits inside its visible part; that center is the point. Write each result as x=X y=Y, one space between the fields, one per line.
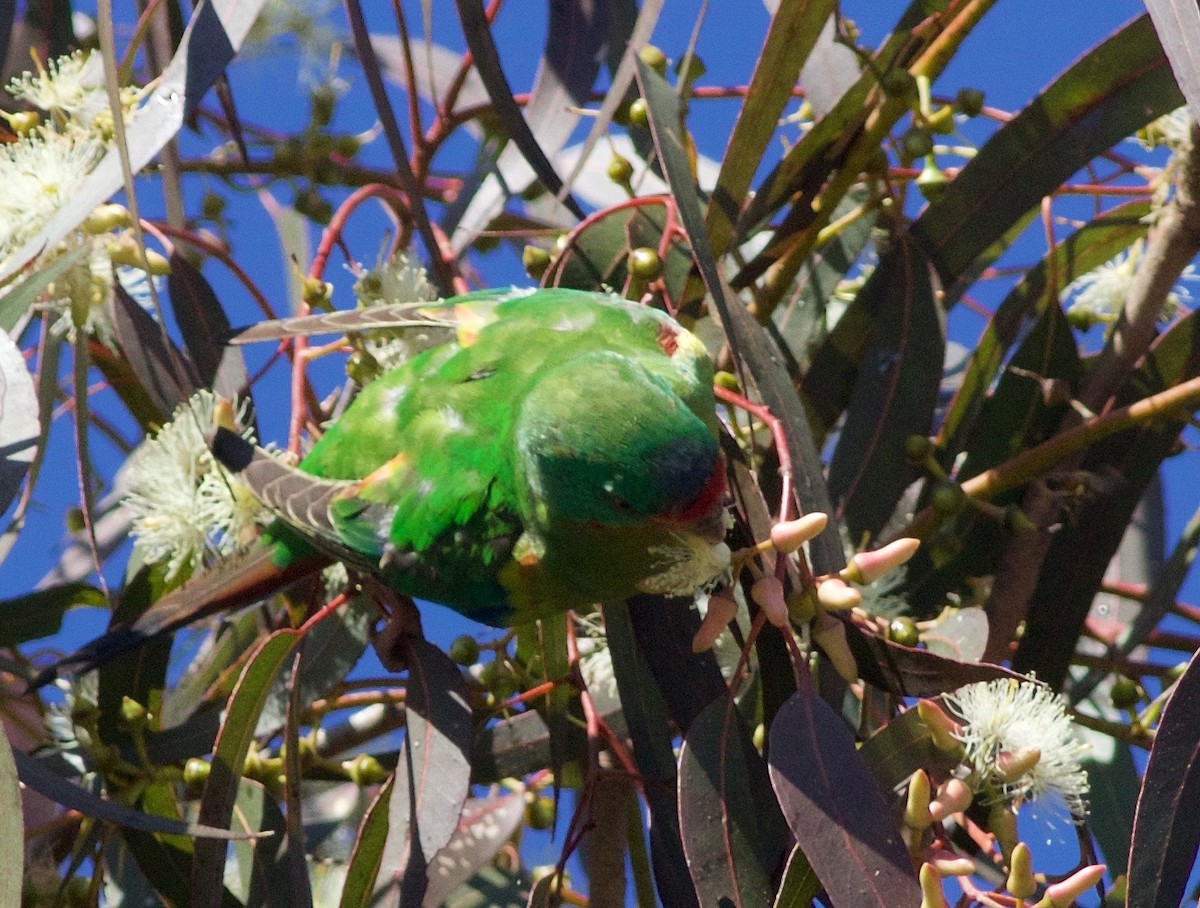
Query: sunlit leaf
x=10 y=824
x=20 y=426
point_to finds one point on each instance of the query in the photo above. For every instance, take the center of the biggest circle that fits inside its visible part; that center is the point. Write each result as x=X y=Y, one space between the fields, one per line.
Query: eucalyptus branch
x=1037 y=460
x=1173 y=244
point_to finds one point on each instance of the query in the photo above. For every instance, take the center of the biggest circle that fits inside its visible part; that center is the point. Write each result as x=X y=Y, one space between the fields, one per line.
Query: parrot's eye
x=481 y=374
x=617 y=503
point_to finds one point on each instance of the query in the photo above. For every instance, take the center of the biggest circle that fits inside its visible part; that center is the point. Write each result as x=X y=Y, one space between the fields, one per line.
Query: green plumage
x=561 y=450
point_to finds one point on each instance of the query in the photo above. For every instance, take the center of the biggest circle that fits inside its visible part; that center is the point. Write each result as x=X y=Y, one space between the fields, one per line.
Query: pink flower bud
x=1014 y=765
x=867 y=567
x=767 y=592
x=1063 y=894
x=830 y=634
x=954 y=796
x=835 y=596
x=721 y=610
x=788 y=536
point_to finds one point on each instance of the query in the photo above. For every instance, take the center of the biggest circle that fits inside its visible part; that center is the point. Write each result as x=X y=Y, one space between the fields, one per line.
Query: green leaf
x=1111 y=92
x=1116 y=88
x=794 y=30
x=15 y=303
x=331 y=649
x=574 y=64
x=492 y=888
x=599 y=254
x=1123 y=464
x=486 y=824
x=60 y=790
x=902 y=747
x=205 y=329
x=801 y=324
x=260 y=865
x=799 y=885
x=20 y=427
x=367 y=856
x=229 y=756
x=40 y=613
x=1031 y=398
x=650 y=732
x=11 y=829
x=433 y=774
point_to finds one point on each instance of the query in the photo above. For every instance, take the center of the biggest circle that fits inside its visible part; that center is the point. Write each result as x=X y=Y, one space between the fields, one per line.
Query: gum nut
x=954 y=796
x=867 y=567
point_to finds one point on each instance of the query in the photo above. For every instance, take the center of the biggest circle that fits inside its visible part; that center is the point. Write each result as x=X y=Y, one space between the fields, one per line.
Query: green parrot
x=559 y=449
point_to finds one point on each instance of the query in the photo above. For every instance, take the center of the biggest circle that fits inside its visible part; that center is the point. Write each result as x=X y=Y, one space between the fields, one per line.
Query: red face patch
x=668 y=339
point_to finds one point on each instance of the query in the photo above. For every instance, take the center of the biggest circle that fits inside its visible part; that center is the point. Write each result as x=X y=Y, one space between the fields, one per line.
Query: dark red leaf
x=733 y=833
x=161 y=370
x=1166 y=824
x=433 y=775
x=835 y=808
x=748 y=342
x=910 y=672
x=571 y=61
x=895 y=394
x=205 y=329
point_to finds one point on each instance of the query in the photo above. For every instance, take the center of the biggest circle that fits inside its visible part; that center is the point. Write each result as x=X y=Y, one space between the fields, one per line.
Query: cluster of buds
x=812 y=605
x=987 y=729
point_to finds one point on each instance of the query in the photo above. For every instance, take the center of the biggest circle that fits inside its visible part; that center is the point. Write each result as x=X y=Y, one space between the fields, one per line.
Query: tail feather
x=235 y=582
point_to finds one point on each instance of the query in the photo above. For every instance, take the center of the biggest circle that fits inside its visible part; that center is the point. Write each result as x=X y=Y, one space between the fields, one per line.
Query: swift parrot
x=559 y=449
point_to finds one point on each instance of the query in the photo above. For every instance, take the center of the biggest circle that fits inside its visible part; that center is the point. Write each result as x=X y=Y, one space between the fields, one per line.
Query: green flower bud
x=654 y=58
x=917 y=449
x=321 y=104
x=620 y=170
x=1080 y=318
x=1125 y=693
x=639 y=113
x=539 y=812
x=536 y=260
x=969 y=101
x=644 y=264
x=931 y=181
x=365 y=770
x=948 y=498
x=196 y=771
x=464 y=650
x=916 y=142
x=899 y=83
x=133 y=714
x=903 y=630
x=106 y=218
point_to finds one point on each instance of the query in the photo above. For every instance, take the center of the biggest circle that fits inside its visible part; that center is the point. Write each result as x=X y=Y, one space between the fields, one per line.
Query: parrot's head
x=604 y=442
